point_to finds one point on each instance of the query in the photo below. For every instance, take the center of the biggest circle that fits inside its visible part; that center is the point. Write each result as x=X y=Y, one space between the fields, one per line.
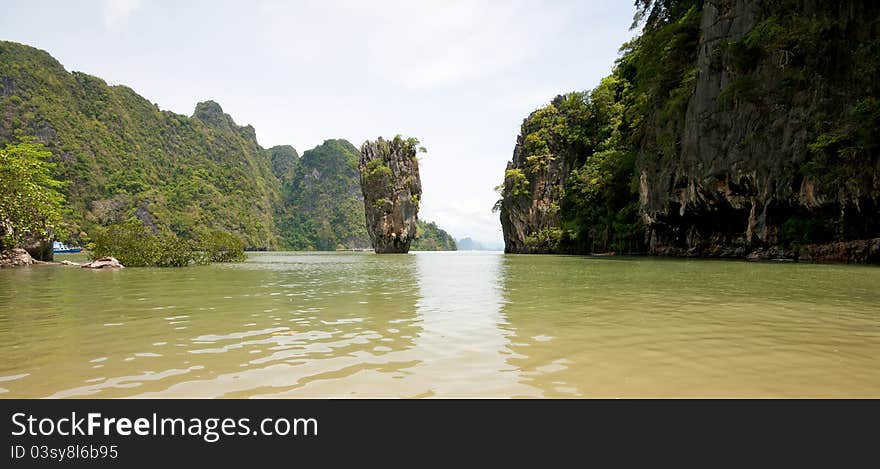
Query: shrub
x=134 y=244
x=515 y=183
x=838 y=157
x=378 y=175
x=219 y=246
x=544 y=240
x=382 y=204
x=169 y=250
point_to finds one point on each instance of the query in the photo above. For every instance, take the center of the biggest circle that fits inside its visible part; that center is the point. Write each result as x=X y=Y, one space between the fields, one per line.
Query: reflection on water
x=644 y=327
x=441 y=324
x=463 y=347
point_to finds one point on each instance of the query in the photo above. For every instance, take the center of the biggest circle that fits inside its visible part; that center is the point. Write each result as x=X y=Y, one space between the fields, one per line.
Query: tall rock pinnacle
x=392 y=189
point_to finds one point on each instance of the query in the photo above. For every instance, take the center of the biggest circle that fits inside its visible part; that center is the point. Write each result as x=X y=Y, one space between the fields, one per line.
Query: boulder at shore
x=16 y=257
x=104 y=263
x=392 y=189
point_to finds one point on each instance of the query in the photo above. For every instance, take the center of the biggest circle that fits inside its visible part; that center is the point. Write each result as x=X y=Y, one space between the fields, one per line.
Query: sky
x=459 y=75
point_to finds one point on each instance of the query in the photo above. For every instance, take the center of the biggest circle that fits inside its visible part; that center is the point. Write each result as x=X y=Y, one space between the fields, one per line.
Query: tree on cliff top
x=30 y=203
x=655 y=13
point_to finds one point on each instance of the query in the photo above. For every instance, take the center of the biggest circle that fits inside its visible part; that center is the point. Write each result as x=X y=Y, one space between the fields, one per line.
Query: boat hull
x=66 y=251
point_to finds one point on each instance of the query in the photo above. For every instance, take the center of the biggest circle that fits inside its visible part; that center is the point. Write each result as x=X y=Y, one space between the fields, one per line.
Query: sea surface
x=441 y=324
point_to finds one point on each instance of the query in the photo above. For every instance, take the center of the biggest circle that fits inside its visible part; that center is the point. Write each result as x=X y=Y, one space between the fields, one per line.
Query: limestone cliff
x=389 y=172
x=547 y=150
x=530 y=205
x=778 y=146
x=729 y=128
x=121 y=156
x=323 y=207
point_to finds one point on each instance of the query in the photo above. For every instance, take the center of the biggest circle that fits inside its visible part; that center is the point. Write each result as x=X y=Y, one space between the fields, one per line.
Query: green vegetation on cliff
x=640 y=105
x=120 y=157
x=431 y=238
x=123 y=157
x=725 y=127
x=284 y=159
x=602 y=131
x=323 y=206
x=392 y=190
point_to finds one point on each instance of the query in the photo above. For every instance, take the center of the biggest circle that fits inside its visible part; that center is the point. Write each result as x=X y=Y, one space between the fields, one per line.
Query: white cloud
x=436 y=71
x=116 y=12
x=417 y=45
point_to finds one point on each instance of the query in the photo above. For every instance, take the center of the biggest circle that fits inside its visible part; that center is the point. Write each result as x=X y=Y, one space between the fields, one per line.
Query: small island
x=392 y=189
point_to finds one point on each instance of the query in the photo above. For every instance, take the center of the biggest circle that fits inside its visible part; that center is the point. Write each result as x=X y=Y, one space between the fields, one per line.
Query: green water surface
x=456 y=324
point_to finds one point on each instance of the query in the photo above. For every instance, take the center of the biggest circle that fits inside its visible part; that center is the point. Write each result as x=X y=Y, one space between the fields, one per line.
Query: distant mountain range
x=468 y=244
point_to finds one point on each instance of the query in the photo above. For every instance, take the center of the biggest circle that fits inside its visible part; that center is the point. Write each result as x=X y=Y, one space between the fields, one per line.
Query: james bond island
x=392 y=189
x=693 y=214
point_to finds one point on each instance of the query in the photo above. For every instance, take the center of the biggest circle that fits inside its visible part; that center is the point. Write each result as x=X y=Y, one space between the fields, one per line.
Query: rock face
x=323 y=201
x=16 y=257
x=104 y=263
x=116 y=150
x=760 y=140
x=392 y=189
x=284 y=160
x=40 y=250
x=750 y=176
x=530 y=205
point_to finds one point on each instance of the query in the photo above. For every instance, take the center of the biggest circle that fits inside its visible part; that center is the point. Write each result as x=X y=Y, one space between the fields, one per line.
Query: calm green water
x=442 y=324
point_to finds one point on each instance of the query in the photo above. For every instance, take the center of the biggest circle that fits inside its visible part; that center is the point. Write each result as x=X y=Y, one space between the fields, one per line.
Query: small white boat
x=61 y=248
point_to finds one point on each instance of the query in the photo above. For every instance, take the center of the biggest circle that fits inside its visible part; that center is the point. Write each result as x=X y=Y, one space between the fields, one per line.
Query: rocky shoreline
x=19 y=257
x=864 y=251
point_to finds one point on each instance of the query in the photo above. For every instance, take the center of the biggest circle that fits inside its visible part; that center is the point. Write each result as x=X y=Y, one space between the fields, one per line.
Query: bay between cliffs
x=442 y=324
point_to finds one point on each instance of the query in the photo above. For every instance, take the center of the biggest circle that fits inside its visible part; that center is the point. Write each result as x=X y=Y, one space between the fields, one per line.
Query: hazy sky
x=459 y=75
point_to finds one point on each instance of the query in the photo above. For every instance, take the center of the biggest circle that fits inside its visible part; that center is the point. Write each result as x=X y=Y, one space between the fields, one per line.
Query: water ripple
x=442 y=325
